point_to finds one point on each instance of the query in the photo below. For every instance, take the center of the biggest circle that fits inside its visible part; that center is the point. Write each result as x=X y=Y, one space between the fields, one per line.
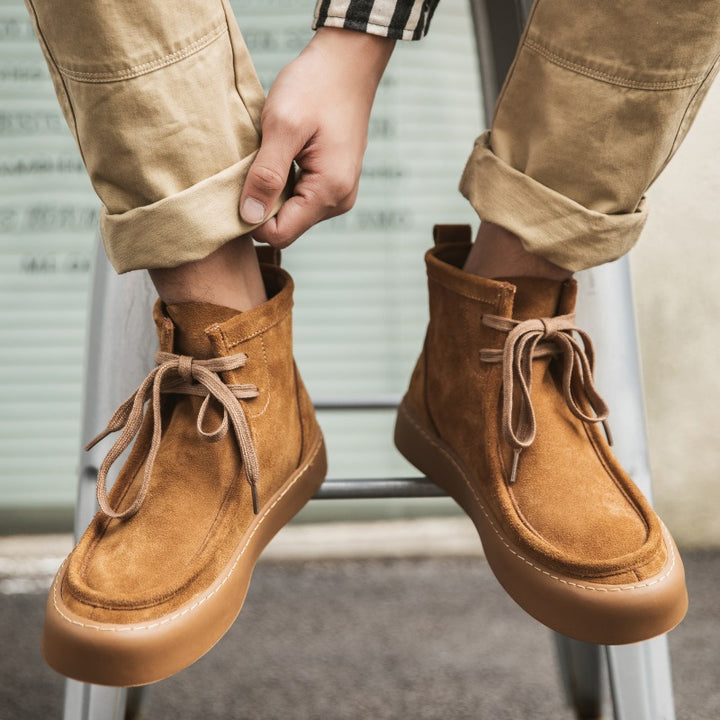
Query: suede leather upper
x=573 y=507
x=198 y=505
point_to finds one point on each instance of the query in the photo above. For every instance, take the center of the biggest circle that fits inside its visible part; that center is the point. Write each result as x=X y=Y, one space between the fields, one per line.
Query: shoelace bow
x=537 y=338
x=193 y=377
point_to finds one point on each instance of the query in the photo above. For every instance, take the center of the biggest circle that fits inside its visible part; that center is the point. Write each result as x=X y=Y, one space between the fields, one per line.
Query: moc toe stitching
x=557 y=557
x=196 y=603
x=518 y=556
x=554 y=555
x=198 y=563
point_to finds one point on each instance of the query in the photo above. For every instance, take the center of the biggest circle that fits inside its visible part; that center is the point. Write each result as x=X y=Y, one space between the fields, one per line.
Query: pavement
x=382 y=629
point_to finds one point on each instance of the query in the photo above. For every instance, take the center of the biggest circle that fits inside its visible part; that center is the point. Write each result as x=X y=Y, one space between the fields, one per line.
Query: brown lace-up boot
x=502 y=414
x=227 y=452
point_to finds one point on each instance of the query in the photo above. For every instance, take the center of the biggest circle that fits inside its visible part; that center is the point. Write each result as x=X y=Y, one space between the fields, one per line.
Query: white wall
x=677 y=280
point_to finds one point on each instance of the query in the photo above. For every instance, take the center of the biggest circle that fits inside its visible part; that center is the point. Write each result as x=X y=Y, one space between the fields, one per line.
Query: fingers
x=308 y=206
x=269 y=172
x=328 y=150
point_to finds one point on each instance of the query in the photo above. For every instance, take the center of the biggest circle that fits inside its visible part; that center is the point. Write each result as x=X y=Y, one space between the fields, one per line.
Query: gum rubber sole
x=142 y=653
x=580 y=608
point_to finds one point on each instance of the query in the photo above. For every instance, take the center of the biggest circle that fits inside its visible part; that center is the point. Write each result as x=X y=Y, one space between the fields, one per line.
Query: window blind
x=361 y=304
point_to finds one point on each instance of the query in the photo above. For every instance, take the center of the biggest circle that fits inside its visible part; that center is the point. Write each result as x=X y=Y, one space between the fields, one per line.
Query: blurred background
x=361 y=296
x=361 y=305
x=360 y=301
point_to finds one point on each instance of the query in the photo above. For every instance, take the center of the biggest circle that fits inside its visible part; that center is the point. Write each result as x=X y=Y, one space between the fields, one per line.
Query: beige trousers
x=598 y=99
x=165 y=106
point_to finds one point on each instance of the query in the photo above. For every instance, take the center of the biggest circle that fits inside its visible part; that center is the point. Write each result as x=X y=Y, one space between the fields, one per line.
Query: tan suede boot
x=228 y=451
x=501 y=413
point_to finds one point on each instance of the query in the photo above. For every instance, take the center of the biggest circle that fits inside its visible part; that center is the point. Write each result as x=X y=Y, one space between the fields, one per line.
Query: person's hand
x=317 y=114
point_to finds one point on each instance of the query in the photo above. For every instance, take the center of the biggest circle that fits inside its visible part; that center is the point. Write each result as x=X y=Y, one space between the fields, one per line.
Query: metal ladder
x=638 y=677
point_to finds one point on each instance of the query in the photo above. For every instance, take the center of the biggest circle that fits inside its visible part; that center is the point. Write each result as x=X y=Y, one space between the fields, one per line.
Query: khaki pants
x=599 y=97
x=165 y=105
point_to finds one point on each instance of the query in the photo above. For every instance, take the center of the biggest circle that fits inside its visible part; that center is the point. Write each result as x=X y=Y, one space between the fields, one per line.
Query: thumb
x=267 y=176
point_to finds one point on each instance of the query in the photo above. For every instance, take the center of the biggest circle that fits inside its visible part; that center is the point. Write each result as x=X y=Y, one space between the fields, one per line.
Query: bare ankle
x=498 y=253
x=230 y=276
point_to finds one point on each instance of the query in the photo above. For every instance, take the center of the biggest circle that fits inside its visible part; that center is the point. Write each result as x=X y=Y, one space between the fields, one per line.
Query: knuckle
x=280 y=241
x=283 y=119
x=274 y=236
x=312 y=196
x=340 y=209
x=346 y=205
x=340 y=187
x=267 y=179
x=261 y=234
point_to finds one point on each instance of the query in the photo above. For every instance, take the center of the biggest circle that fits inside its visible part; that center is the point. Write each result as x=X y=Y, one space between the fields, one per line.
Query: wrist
x=364 y=53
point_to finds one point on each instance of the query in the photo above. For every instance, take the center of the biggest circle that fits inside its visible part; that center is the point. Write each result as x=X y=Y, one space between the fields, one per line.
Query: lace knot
x=185 y=367
x=192 y=377
x=548 y=331
x=529 y=340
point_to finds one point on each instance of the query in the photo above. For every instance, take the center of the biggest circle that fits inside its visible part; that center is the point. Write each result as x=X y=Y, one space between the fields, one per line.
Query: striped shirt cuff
x=398 y=19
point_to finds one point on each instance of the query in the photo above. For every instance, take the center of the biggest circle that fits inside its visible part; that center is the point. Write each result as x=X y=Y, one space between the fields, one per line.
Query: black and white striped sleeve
x=398 y=19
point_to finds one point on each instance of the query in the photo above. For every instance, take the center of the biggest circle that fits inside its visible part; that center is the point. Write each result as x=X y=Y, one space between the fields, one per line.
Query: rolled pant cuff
x=187 y=226
x=548 y=223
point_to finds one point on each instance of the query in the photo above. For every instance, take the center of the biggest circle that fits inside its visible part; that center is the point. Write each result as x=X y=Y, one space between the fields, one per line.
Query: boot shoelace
x=528 y=340
x=192 y=377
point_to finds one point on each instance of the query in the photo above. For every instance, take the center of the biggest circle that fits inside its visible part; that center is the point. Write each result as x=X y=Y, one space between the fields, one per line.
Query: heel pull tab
x=445 y=234
x=268 y=255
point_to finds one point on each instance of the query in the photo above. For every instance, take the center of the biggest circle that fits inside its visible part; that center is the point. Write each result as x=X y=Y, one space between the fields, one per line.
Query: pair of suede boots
x=501 y=413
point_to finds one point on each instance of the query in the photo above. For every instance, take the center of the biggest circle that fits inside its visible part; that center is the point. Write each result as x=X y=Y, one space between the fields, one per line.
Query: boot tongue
x=535 y=297
x=191 y=319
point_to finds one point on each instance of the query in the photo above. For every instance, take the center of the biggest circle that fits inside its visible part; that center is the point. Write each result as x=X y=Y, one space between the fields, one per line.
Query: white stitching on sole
x=171 y=618
x=624 y=588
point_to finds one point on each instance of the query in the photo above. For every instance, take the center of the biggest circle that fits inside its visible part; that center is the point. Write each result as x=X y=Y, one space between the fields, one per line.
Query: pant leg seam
x=232 y=26
x=609 y=78
x=61 y=80
x=147 y=67
x=690 y=111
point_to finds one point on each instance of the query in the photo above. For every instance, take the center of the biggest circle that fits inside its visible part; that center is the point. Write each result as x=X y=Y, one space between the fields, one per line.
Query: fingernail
x=252 y=211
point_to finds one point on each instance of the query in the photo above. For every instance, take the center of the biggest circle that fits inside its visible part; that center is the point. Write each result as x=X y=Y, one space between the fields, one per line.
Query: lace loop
x=529 y=340
x=193 y=377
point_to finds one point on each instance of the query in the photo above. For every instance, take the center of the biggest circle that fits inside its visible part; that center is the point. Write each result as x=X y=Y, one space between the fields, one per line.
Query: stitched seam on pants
x=66 y=92
x=692 y=105
x=232 y=26
x=147 y=67
x=609 y=78
x=511 y=72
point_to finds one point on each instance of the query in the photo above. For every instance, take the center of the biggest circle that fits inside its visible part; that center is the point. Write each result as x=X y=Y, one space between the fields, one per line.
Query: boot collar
x=444 y=266
x=243 y=325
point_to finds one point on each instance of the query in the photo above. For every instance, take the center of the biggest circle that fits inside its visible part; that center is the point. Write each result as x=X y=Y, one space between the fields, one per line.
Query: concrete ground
x=374 y=638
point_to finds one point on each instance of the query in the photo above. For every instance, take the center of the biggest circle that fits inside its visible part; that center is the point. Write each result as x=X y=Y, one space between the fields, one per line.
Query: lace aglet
x=608 y=434
x=515 y=461
x=97 y=439
x=256 y=502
